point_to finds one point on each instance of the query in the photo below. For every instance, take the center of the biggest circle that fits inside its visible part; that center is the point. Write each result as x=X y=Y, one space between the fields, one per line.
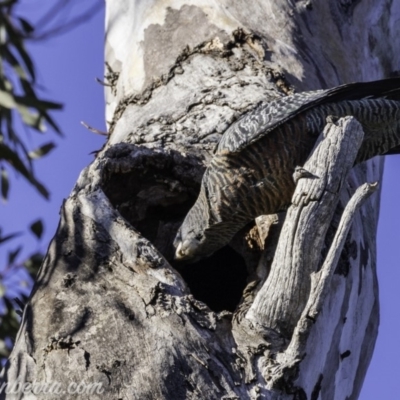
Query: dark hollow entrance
x=154 y=191
x=219 y=280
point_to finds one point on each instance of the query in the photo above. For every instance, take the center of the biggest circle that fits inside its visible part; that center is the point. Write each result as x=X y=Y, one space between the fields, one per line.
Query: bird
x=250 y=173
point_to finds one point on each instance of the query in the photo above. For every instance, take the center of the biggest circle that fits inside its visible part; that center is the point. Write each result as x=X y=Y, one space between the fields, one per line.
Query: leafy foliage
x=20 y=106
x=19 y=100
x=11 y=308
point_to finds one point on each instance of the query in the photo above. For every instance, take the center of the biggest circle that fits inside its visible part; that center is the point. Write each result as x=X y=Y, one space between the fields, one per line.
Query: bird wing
x=265 y=118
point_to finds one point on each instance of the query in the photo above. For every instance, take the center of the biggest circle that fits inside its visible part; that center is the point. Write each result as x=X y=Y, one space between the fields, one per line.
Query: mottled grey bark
x=108 y=306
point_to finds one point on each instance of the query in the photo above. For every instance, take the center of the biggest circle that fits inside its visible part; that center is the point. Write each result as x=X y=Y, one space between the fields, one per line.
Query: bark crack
x=240 y=38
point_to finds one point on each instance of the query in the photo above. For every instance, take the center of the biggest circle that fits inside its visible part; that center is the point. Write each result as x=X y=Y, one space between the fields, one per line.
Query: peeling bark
x=109 y=306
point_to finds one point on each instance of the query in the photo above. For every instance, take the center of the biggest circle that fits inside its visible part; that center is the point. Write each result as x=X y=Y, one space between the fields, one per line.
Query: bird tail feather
x=388 y=88
x=393 y=151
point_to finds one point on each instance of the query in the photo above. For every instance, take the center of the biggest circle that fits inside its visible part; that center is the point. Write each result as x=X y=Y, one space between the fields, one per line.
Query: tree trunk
x=109 y=307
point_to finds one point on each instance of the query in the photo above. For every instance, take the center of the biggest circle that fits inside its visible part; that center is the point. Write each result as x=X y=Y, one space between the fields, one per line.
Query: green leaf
x=34 y=120
x=16 y=140
x=26 y=26
x=7 y=3
x=3 y=33
x=33 y=264
x=37 y=228
x=34 y=102
x=13 y=159
x=2 y=290
x=25 y=57
x=51 y=122
x=15 y=39
x=42 y=150
x=12 y=255
x=4 y=352
x=5 y=184
x=7 y=100
x=9 y=237
x=9 y=56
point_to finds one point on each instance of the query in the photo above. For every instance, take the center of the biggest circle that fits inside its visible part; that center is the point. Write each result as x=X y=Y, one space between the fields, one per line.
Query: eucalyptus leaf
x=19 y=102
x=5 y=184
x=27 y=60
x=37 y=228
x=33 y=263
x=26 y=26
x=51 y=122
x=13 y=159
x=12 y=255
x=9 y=237
x=16 y=40
x=34 y=120
x=9 y=56
x=43 y=105
x=41 y=189
x=4 y=352
x=7 y=154
x=42 y=150
x=7 y=100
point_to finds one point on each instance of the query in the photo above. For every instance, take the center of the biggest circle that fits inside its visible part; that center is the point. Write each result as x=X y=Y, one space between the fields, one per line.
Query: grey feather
x=251 y=171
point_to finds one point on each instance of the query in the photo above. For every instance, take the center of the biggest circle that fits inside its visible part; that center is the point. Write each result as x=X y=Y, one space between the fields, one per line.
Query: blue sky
x=67 y=67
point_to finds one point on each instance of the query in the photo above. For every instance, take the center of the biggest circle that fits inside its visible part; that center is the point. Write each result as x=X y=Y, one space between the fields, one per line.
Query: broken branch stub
x=321 y=280
x=282 y=299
